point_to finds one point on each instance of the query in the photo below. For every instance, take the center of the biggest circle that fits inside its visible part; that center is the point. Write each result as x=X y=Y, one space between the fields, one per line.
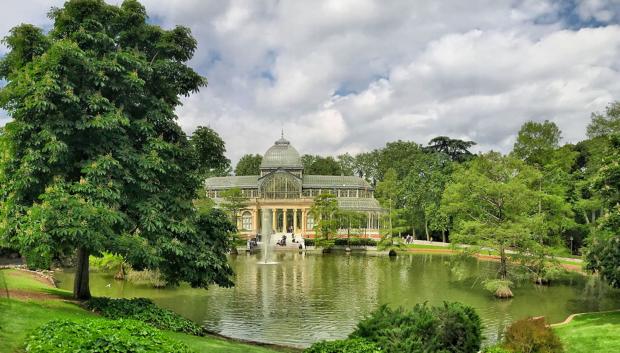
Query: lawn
x=591 y=333
x=18 y=317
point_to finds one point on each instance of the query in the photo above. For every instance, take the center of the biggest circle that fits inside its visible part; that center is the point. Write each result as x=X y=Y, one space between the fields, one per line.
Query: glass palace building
x=280 y=197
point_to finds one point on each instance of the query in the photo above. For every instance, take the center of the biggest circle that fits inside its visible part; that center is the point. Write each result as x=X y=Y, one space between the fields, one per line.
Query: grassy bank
x=28 y=301
x=591 y=333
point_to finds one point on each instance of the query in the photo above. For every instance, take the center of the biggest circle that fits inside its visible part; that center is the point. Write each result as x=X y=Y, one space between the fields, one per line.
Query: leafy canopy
x=94 y=158
x=249 y=164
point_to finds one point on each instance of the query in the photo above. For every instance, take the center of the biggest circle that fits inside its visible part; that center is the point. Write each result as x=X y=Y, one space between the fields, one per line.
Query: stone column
x=274 y=219
x=295 y=220
x=304 y=221
x=255 y=225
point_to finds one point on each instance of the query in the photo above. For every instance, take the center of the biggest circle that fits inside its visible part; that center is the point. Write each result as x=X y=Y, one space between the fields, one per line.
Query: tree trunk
x=503 y=270
x=585 y=215
x=443 y=235
x=81 y=289
x=428 y=237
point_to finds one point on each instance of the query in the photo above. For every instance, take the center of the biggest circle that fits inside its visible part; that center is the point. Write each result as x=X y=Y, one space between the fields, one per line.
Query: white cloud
x=351 y=75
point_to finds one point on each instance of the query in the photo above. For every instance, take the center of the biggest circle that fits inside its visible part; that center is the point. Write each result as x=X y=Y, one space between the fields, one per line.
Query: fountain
x=266 y=232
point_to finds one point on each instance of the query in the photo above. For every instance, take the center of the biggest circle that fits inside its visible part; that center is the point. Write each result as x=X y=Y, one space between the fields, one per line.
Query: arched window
x=246 y=220
x=280 y=186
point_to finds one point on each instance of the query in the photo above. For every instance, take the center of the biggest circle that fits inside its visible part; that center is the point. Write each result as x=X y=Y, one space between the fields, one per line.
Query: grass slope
x=18 y=317
x=591 y=333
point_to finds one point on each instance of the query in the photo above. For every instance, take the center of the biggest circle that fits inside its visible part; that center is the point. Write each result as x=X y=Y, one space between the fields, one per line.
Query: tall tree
x=210 y=149
x=347 y=164
x=323 y=166
x=605 y=124
x=603 y=251
x=325 y=210
x=234 y=201
x=387 y=193
x=96 y=161
x=398 y=155
x=423 y=187
x=492 y=199
x=536 y=142
x=249 y=164
x=457 y=150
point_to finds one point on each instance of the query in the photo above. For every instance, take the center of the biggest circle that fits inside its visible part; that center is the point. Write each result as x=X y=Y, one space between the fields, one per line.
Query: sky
x=350 y=75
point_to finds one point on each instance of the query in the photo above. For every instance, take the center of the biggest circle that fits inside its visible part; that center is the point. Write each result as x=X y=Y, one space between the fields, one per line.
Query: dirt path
x=569 y=267
x=572 y=316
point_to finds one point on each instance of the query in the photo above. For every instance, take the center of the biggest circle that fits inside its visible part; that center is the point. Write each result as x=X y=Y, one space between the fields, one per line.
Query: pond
x=307 y=297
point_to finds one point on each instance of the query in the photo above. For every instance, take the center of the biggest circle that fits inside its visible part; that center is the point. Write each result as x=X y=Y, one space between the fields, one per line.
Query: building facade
x=281 y=196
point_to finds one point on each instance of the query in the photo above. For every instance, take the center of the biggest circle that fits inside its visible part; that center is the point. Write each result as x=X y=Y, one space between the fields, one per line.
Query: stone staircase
x=289 y=241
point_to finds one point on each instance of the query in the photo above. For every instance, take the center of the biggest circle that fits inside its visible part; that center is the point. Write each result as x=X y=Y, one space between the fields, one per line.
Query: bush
x=352 y=345
x=355 y=242
x=99 y=335
x=151 y=278
x=495 y=349
x=144 y=310
x=531 y=336
x=452 y=327
x=309 y=242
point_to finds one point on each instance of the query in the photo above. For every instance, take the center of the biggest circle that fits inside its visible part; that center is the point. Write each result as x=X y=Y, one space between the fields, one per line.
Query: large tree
x=536 y=142
x=492 y=199
x=423 y=187
x=605 y=124
x=603 y=251
x=457 y=150
x=325 y=210
x=317 y=165
x=210 y=149
x=95 y=159
x=249 y=164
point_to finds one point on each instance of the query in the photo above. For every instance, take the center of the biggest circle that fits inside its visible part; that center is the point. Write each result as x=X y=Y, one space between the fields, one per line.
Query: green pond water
x=306 y=297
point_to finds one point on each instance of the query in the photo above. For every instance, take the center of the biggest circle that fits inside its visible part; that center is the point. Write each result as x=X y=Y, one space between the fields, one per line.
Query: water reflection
x=309 y=297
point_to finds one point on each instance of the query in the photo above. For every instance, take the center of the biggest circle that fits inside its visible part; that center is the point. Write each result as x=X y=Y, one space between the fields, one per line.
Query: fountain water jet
x=266 y=231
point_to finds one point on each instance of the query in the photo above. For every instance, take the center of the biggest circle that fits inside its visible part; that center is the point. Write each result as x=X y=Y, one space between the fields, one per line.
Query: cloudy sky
x=349 y=75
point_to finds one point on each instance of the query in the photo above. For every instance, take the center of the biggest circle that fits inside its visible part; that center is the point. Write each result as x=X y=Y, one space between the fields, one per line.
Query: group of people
x=409 y=239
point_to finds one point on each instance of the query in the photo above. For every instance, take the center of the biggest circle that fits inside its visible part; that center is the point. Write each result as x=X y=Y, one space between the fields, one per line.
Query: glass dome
x=281 y=155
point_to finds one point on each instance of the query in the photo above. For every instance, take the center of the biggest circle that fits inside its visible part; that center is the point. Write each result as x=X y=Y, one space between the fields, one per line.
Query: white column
x=295 y=220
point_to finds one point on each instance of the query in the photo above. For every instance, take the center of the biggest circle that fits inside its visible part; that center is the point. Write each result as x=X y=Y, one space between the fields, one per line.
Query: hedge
x=144 y=310
x=100 y=335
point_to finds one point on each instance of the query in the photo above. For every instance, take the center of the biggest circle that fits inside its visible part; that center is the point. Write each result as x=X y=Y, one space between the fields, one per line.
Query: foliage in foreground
x=98 y=335
x=452 y=327
x=531 y=336
x=144 y=310
x=351 y=345
x=93 y=159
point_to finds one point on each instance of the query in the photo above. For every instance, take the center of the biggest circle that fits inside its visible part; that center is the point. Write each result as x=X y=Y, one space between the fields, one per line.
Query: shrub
x=495 y=349
x=531 y=336
x=309 y=242
x=351 y=345
x=144 y=310
x=452 y=327
x=355 y=242
x=100 y=335
x=151 y=278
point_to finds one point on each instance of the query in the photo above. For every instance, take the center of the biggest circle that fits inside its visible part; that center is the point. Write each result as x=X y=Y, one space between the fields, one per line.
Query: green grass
x=18 y=318
x=23 y=281
x=591 y=333
x=217 y=344
x=425 y=246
